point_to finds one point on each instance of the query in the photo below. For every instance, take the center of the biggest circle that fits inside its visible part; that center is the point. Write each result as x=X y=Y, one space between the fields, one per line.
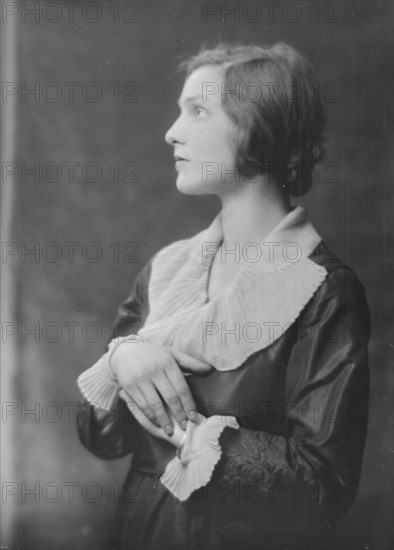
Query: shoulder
x=340 y=277
x=341 y=295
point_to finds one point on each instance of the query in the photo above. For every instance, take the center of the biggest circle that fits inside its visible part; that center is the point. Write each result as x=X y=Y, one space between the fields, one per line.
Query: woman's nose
x=172 y=135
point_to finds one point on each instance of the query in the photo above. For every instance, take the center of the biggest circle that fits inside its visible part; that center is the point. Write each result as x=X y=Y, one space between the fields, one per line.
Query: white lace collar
x=275 y=281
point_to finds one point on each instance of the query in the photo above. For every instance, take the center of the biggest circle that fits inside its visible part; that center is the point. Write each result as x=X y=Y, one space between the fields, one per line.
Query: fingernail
x=192 y=415
x=184 y=424
x=168 y=429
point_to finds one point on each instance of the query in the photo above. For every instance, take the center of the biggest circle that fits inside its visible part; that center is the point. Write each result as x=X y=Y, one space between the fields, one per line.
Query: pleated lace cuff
x=98 y=384
x=196 y=460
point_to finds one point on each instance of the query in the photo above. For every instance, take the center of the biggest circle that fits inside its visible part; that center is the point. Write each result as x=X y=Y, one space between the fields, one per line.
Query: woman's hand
x=148 y=372
x=176 y=439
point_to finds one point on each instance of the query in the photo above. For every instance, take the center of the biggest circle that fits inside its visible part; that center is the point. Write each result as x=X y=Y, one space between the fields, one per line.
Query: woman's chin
x=190 y=188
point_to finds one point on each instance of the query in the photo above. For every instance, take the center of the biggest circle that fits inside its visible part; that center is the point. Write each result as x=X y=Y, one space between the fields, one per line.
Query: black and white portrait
x=196 y=291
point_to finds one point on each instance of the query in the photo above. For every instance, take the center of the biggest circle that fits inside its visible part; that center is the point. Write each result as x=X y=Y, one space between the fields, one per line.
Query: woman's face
x=202 y=136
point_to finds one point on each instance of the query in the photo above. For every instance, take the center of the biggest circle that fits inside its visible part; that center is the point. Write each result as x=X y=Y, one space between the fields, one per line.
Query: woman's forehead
x=202 y=84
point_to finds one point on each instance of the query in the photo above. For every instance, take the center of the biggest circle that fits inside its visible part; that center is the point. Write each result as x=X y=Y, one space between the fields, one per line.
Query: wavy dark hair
x=273 y=95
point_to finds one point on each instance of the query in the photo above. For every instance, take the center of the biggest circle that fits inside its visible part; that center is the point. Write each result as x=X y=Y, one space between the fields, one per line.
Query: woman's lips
x=179 y=160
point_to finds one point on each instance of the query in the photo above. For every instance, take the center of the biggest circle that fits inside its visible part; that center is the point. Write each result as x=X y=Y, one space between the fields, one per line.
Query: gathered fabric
x=265 y=298
x=275 y=281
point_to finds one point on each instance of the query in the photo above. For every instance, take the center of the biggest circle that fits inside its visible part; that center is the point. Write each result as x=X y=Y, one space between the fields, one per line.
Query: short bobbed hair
x=272 y=93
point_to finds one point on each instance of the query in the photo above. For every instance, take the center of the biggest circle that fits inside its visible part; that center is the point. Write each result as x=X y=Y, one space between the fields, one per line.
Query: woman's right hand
x=177 y=437
x=147 y=371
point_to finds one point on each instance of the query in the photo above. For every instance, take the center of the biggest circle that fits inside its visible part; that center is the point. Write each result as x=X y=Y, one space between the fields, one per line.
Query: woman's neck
x=250 y=214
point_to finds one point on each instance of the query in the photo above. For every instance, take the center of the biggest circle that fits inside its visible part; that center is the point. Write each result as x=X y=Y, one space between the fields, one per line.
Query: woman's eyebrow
x=188 y=99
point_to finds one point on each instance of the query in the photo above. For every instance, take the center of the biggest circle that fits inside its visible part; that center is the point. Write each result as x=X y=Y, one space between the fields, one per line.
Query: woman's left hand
x=175 y=439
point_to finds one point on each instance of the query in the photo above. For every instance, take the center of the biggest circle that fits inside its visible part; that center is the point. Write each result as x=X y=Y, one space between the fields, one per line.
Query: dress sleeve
x=105 y=424
x=320 y=453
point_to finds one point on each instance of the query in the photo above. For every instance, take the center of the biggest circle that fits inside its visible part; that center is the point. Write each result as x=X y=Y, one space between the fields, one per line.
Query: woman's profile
x=237 y=372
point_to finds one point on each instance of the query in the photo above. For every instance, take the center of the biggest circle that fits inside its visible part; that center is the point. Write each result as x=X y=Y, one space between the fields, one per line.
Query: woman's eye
x=199 y=111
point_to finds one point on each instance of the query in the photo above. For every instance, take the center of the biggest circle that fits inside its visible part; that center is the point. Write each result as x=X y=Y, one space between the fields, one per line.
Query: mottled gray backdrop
x=104 y=181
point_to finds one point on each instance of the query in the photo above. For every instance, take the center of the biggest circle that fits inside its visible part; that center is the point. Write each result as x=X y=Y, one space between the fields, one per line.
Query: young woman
x=240 y=382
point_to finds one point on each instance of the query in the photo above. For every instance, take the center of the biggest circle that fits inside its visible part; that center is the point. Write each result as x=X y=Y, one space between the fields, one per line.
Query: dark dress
x=290 y=472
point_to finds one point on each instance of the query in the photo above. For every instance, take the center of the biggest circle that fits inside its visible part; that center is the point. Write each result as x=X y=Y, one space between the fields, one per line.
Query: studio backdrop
x=89 y=90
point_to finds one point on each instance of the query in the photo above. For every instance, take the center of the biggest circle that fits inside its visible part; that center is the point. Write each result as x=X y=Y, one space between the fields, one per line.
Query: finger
x=140 y=416
x=156 y=405
x=192 y=363
x=141 y=403
x=172 y=400
x=183 y=391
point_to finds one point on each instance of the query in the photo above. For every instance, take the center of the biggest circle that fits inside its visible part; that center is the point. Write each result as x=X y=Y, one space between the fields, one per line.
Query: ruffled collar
x=275 y=281
x=292 y=239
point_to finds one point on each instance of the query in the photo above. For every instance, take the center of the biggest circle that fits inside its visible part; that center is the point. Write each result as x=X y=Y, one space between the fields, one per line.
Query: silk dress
x=299 y=393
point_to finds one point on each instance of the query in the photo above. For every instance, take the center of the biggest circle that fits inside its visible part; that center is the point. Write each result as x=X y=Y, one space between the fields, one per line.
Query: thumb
x=191 y=363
